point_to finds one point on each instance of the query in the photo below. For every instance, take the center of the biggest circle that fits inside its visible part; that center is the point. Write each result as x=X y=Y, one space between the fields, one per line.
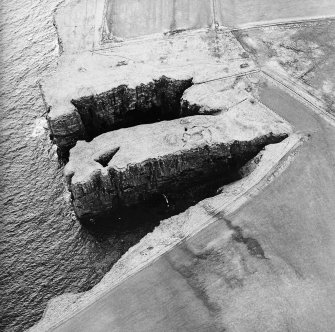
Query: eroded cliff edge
x=133 y=84
x=99 y=97
x=128 y=166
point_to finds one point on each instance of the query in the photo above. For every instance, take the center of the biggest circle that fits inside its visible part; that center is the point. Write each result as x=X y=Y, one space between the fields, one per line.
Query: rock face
x=79 y=96
x=219 y=95
x=129 y=85
x=127 y=166
x=124 y=106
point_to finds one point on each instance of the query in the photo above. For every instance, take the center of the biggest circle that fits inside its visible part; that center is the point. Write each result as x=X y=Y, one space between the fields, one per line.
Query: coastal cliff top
x=245 y=122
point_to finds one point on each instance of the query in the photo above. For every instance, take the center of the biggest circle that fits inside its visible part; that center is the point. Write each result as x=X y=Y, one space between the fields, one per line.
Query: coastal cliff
x=128 y=166
x=213 y=92
x=109 y=90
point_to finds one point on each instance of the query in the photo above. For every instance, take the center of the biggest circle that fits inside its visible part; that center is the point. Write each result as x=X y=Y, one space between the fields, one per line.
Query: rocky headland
x=128 y=166
x=108 y=91
x=137 y=115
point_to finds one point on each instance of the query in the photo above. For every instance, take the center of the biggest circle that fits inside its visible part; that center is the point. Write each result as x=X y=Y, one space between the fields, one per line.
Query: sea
x=44 y=250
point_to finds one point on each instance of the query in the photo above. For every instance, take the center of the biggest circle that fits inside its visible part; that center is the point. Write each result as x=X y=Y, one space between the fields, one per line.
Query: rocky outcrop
x=219 y=95
x=160 y=99
x=66 y=129
x=127 y=166
x=90 y=94
x=124 y=106
x=119 y=107
x=170 y=232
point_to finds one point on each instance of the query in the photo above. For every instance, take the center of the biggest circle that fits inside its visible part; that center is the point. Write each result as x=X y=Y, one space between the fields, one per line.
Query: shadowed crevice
x=123 y=107
x=105 y=158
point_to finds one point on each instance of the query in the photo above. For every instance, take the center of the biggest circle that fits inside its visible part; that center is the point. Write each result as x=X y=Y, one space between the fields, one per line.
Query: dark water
x=44 y=252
